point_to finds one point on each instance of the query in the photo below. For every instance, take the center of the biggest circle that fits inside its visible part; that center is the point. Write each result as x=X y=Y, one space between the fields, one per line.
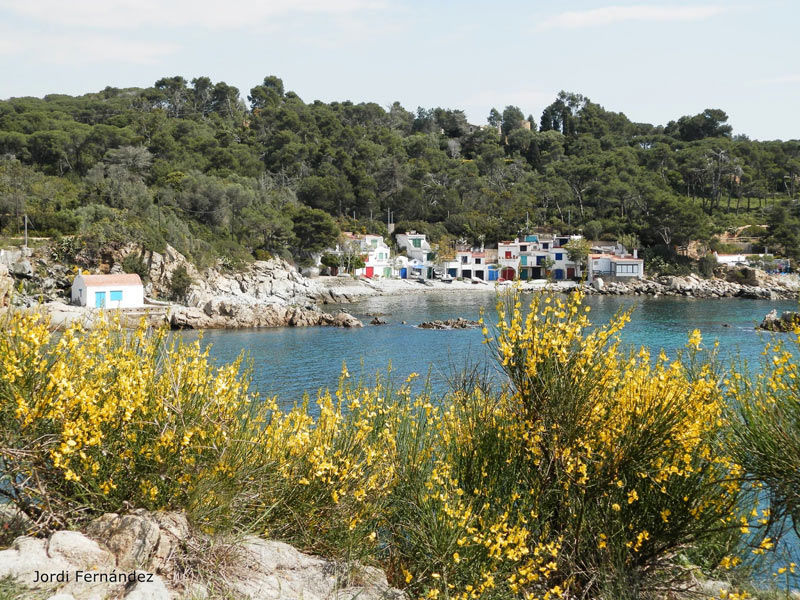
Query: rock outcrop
x=227 y=313
x=786 y=322
x=769 y=288
x=6 y=286
x=264 y=294
x=155 y=556
x=459 y=323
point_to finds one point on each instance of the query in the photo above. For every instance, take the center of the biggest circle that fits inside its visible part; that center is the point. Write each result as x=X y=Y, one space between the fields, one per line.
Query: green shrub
x=706 y=265
x=135 y=263
x=261 y=254
x=180 y=283
x=765 y=432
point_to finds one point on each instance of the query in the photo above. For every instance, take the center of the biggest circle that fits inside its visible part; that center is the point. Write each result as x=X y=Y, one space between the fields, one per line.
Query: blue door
x=492 y=274
x=559 y=273
x=100 y=299
x=403 y=273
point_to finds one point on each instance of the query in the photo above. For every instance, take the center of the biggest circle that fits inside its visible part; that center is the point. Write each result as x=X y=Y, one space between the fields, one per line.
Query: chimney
x=635 y=253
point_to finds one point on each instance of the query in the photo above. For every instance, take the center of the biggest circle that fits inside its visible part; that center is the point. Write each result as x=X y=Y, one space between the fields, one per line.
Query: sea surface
x=290 y=362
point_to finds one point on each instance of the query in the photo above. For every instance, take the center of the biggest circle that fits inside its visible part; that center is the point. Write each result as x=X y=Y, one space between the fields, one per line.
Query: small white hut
x=123 y=290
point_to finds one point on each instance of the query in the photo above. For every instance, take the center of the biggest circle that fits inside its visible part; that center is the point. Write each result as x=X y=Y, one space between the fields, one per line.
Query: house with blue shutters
x=121 y=290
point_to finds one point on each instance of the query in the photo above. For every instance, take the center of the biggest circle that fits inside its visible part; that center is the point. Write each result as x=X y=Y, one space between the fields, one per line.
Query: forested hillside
x=192 y=165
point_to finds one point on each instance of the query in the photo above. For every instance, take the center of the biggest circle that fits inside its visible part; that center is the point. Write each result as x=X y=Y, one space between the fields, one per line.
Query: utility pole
x=26 y=230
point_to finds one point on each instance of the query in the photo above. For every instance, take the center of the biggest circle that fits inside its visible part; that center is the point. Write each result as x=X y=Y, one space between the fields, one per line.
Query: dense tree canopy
x=190 y=164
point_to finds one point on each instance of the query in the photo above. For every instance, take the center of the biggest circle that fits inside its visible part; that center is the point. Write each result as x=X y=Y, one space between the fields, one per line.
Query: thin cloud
x=519 y=97
x=610 y=15
x=205 y=14
x=84 y=49
x=782 y=80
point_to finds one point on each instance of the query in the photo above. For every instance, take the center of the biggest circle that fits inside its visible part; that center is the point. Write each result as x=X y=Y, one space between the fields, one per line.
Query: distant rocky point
x=786 y=322
x=750 y=284
x=459 y=323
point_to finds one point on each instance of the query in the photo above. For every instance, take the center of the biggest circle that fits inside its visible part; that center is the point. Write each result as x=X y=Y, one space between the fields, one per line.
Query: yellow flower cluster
x=109 y=415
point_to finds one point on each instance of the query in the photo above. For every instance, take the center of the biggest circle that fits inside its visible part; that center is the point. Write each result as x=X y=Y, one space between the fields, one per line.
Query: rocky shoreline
x=149 y=556
x=755 y=285
x=264 y=294
x=274 y=294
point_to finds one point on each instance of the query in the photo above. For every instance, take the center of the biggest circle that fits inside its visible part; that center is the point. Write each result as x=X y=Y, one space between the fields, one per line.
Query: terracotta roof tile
x=116 y=279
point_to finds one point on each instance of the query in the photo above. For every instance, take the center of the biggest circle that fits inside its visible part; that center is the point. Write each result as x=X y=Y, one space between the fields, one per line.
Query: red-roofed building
x=122 y=290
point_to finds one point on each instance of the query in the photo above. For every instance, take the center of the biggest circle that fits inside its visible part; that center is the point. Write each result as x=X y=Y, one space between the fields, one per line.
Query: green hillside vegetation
x=191 y=165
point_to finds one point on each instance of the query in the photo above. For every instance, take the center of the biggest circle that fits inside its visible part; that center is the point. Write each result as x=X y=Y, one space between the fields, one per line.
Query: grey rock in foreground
x=156 y=549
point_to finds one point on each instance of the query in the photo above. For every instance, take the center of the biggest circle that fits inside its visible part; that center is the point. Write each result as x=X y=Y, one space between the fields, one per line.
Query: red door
x=370 y=272
x=570 y=272
x=508 y=274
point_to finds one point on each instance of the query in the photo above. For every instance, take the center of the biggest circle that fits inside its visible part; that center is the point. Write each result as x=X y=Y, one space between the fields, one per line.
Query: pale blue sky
x=653 y=60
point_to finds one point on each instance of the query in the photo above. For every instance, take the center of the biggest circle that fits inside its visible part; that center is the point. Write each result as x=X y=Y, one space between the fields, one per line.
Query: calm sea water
x=289 y=362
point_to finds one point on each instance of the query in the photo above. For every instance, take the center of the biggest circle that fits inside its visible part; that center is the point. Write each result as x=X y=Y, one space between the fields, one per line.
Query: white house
x=371 y=248
x=474 y=263
x=378 y=261
x=123 y=290
x=615 y=265
x=732 y=259
x=417 y=249
x=537 y=256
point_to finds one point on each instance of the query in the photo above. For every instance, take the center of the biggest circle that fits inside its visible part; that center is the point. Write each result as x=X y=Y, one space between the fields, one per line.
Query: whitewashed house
x=615 y=266
x=474 y=263
x=374 y=251
x=123 y=290
x=537 y=256
x=378 y=261
x=420 y=255
x=732 y=260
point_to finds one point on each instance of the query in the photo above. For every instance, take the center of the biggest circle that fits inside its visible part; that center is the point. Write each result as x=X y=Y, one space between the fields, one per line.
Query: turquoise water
x=289 y=362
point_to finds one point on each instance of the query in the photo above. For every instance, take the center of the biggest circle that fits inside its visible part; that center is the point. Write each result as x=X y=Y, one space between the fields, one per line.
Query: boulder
x=459 y=323
x=6 y=286
x=787 y=322
x=132 y=538
x=23 y=268
x=270 y=569
x=76 y=549
x=184 y=317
